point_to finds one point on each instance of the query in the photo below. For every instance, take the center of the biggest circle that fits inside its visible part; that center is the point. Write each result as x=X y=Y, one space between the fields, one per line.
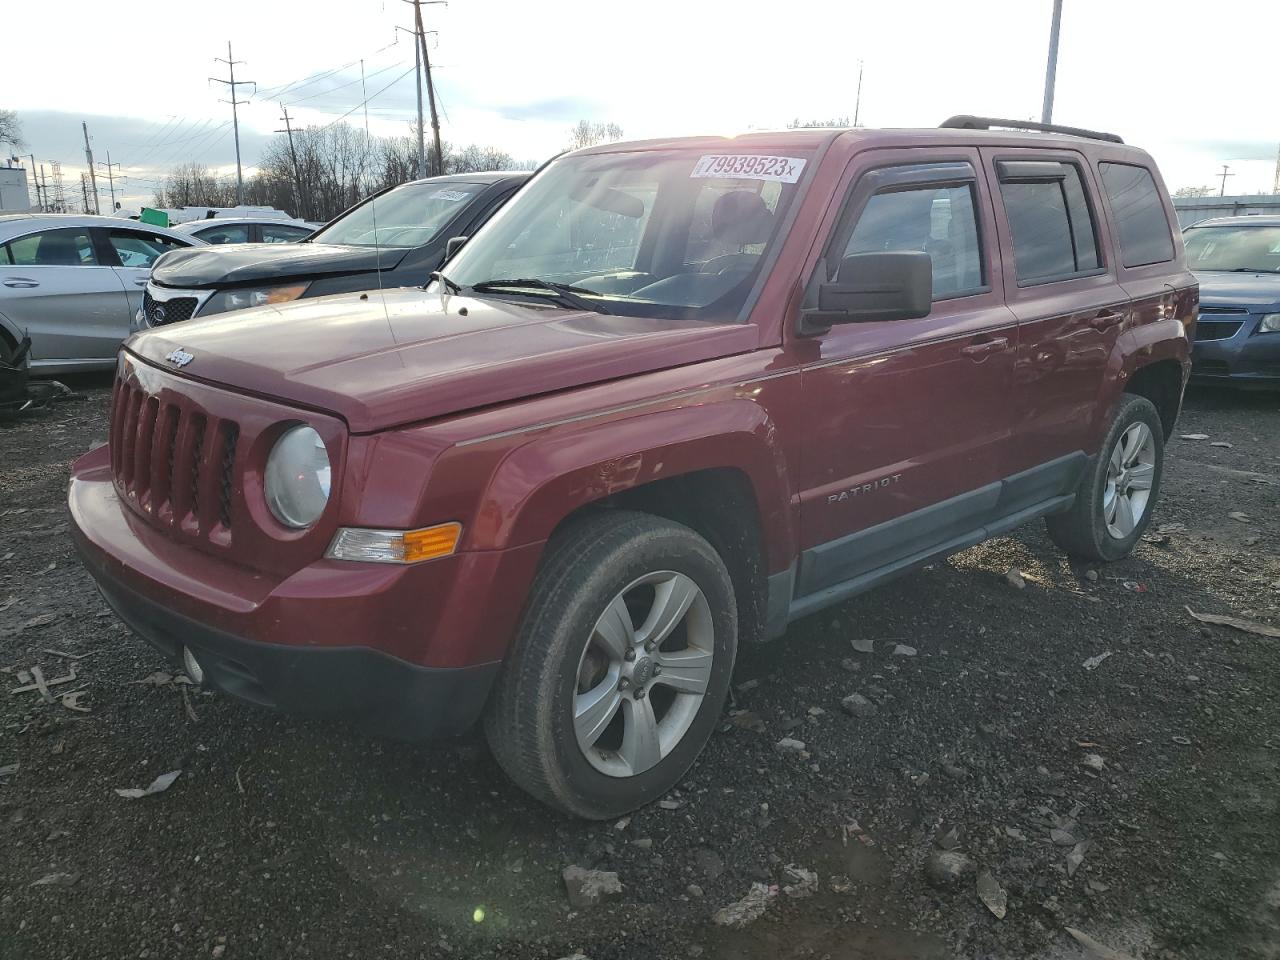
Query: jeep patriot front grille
x=172 y=462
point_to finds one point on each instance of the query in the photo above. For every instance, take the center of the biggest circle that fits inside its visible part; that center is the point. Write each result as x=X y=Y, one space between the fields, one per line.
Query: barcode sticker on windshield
x=454 y=195
x=749 y=166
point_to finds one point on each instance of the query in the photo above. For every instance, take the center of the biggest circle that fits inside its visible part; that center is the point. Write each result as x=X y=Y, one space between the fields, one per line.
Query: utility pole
x=88 y=155
x=1222 y=191
x=84 y=191
x=422 y=131
x=44 y=183
x=35 y=180
x=1276 y=187
x=1051 y=70
x=438 y=165
x=235 y=118
x=299 y=205
x=111 y=180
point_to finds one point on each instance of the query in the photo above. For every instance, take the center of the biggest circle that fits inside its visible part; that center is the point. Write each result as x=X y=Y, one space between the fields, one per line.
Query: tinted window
x=282 y=233
x=1052 y=225
x=939 y=221
x=1138 y=210
x=226 y=233
x=69 y=247
x=136 y=249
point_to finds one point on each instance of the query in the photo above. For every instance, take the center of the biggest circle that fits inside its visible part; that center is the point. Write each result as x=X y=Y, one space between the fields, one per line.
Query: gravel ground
x=1160 y=768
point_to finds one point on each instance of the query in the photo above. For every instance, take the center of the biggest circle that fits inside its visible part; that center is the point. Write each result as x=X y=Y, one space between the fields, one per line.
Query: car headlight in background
x=298 y=477
x=256 y=297
x=1270 y=323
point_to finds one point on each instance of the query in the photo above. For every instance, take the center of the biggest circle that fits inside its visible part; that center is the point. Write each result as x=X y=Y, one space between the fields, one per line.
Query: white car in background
x=218 y=230
x=74 y=282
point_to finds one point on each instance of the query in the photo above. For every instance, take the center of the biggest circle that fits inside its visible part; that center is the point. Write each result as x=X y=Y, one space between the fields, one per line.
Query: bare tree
x=195 y=185
x=587 y=133
x=11 y=130
x=1193 y=192
x=798 y=124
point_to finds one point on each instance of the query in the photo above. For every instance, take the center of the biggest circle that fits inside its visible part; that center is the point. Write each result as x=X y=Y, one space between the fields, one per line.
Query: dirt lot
x=1160 y=767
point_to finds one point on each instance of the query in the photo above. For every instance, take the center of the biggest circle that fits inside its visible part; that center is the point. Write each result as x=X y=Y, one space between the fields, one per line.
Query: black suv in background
x=412 y=224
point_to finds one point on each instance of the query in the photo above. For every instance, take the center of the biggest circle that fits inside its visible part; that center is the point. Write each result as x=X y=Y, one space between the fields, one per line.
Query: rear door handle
x=20 y=282
x=1107 y=318
x=982 y=348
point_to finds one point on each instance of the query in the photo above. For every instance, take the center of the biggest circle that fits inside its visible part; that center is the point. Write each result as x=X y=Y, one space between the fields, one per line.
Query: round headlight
x=298 y=477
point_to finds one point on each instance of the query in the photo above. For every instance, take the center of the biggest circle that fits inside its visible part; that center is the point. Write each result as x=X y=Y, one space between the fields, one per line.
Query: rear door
x=54 y=286
x=909 y=419
x=1061 y=283
x=132 y=253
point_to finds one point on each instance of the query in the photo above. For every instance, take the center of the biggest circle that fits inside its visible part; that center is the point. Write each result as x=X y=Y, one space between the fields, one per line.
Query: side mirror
x=870 y=287
x=453 y=246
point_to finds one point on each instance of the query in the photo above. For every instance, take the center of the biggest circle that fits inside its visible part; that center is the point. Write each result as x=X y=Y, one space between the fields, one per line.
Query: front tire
x=1117 y=496
x=621 y=667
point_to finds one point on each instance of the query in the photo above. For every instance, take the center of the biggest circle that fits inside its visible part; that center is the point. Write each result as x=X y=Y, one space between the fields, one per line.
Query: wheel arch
x=1151 y=360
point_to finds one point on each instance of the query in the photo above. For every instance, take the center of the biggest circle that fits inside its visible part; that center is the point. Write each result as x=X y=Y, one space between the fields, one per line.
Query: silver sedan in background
x=74 y=283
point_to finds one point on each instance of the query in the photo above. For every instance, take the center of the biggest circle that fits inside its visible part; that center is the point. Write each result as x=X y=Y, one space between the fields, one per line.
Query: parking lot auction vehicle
x=673 y=396
x=394 y=238
x=1237 y=260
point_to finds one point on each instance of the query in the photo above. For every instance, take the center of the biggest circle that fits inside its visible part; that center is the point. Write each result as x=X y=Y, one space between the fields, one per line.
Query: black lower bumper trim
x=377 y=692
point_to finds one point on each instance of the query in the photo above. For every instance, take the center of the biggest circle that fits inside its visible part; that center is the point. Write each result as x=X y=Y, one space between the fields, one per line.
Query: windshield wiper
x=445 y=281
x=566 y=293
x=1250 y=270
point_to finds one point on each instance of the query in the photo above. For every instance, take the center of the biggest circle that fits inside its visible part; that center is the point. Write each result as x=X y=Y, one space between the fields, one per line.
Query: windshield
x=676 y=233
x=408 y=216
x=1243 y=249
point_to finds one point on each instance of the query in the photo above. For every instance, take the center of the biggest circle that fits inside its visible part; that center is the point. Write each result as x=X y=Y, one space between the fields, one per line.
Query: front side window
x=68 y=247
x=1054 y=237
x=137 y=249
x=664 y=233
x=408 y=216
x=1141 y=224
x=1234 y=249
x=226 y=233
x=937 y=220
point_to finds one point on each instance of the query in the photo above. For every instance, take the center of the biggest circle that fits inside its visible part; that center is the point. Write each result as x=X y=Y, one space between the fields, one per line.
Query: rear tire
x=1118 y=494
x=621 y=667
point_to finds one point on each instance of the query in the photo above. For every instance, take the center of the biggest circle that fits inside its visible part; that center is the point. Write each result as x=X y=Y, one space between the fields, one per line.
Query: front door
x=910 y=419
x=135 y=250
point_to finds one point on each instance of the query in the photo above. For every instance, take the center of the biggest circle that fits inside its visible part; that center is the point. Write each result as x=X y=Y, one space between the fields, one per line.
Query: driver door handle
x=980 y=349
x=21 y=282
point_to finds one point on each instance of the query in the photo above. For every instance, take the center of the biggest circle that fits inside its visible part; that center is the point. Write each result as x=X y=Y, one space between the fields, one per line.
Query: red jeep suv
x=673 y=396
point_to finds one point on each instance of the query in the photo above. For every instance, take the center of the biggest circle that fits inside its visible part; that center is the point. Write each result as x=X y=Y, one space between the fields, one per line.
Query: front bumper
x=377 y=692
x=409 y=652
x=1244 y=358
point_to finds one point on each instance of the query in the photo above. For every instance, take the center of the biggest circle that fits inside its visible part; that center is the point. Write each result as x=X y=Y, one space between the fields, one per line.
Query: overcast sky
x=516 y=74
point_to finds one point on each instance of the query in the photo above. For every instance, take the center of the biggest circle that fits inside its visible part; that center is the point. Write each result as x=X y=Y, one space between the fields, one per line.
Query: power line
x=368 y=99
x=276 y=92
x=235 y=118
x=350 y=83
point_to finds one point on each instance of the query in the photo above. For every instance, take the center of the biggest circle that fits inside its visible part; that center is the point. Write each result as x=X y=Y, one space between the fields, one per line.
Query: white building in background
x=13 y=190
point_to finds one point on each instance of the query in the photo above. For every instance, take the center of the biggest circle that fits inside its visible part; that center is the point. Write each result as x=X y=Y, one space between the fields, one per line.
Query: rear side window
x=937 y=220
x=1141 y=223
x=282 y=233
x=224 y=233
x=1054 y=236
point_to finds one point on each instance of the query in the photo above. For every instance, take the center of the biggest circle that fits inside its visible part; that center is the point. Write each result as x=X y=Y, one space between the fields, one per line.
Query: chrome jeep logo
x=179 y=357
x=864 y=488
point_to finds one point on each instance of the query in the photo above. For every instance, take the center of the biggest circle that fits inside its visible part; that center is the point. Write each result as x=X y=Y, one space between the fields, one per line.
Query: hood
x=424 y=355
x=225 y=264
x=1259 y=292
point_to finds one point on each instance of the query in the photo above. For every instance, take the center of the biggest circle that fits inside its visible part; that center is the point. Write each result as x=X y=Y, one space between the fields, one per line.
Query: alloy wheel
x=1130 y=472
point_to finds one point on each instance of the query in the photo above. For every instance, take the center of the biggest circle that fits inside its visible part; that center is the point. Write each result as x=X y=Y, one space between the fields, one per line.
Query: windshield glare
x=408 y=216
x=1239 y=248
x=677 y=233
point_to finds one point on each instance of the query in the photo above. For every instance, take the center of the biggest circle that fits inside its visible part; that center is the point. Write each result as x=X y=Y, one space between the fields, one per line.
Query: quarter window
x=280 y=233
x=1141 y=223
x=69 y=247
x=1054 y=236
x=939 y=221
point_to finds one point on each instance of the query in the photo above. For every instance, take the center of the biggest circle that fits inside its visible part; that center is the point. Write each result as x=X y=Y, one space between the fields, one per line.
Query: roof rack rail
x=966 y=122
